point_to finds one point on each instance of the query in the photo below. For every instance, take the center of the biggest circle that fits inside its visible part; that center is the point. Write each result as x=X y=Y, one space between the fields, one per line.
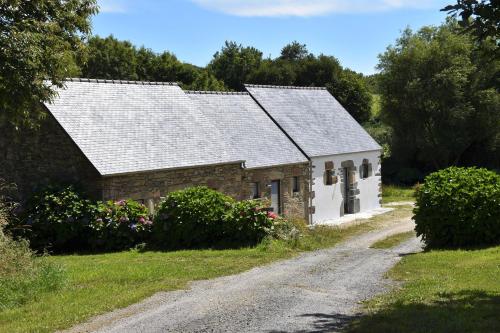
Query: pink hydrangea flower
x=272 y=215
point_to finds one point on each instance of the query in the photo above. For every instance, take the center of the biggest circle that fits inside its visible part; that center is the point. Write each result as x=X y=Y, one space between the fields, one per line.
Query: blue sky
x=354 y=31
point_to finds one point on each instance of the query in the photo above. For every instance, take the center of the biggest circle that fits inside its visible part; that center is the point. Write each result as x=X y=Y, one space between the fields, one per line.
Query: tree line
x=435 y=101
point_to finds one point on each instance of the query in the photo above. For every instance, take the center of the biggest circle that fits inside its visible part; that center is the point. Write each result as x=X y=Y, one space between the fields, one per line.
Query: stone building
x=141 y=140
x=345 y=159
x=297 y=147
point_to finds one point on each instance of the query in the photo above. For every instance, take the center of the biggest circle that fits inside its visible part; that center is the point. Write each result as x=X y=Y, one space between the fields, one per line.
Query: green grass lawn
x=99 y=283
x=392 y=193
x=393 y=240
x=444 y=291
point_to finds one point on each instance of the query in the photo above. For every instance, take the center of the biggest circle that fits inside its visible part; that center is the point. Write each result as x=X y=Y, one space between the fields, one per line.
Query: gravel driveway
x=315 y=292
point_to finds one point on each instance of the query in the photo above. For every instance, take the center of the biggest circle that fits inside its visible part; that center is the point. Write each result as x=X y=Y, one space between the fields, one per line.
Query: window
x=328 y=177
x=295 y=184
x=254 y=191
x=364 y=171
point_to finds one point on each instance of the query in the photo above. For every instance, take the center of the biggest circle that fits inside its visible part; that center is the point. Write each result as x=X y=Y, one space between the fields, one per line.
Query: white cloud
x=112 y=6
x=270 y=8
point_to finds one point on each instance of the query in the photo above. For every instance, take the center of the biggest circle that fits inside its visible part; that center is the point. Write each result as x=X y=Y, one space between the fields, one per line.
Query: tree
x=205 y=81
x=440 y=96
x=351 y=91
x=109 y=58
x=294 y=51
x=234 y=64
x=481 y=17
x=39 y=44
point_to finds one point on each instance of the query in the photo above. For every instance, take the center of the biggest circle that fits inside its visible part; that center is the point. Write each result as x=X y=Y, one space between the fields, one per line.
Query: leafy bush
x=459 y=207
x=193 y=217
x=119 y=225
x=246 y=223
x=201 y=217
x=64 y=221
x=58 y=219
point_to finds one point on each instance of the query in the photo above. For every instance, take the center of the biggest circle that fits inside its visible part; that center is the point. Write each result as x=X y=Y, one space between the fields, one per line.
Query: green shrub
x=459 y=207
x=119 y=225
x=201 y=217
x=58 y=220
x=246 y=223
x=193 y=217
x=62 y=220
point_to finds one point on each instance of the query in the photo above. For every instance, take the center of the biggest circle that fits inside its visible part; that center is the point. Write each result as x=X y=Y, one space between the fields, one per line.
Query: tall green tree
x=110 y=58
x=234 y=64
x=480 y=17
x=39 y=44
x=294 y=51
x=296 y=66
x=440 y=96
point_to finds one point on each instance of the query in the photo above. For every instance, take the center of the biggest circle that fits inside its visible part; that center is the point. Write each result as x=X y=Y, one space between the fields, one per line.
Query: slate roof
x=254 y=136
x=127 y=126
x=314 y=119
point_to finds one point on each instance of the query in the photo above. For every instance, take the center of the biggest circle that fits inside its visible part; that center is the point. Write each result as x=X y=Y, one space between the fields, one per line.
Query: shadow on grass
x=466 y=311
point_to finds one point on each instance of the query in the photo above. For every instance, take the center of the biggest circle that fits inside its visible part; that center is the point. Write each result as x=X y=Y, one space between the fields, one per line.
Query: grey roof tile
x=254 y=136
x=314 y=119
x=127 y=126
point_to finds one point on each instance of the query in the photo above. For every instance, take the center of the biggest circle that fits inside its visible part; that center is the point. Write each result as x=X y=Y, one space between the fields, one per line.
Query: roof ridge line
x=208 y=92
x=151 y=83
x=282 y=87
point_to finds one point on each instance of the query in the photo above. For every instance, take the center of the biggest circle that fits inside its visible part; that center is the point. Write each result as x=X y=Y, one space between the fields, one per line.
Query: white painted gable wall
x=328 y=200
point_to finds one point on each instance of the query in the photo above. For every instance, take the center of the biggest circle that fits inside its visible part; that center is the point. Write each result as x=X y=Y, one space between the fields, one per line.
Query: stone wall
x=292 y=203
x=144 y=186
x=230 y=179
x=33 y=159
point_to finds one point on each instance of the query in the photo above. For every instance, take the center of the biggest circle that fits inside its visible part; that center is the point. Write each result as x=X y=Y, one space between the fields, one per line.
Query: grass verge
x=392 y=193
x=393 y=240
x=444 y=291
x=100 y=283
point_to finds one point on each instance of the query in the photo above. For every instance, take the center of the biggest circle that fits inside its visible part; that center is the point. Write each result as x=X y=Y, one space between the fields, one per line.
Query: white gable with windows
x=345 y=159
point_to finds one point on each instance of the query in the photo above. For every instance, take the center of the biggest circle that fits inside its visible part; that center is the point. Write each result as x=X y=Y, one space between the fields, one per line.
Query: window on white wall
x=328 y=177
x=364 y=170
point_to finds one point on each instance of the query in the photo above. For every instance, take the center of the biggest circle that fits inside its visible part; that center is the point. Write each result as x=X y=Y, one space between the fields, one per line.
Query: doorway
x=276 y=196
x=347 y=192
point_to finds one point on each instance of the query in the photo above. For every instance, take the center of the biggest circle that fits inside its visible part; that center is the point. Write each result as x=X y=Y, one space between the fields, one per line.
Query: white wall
x=328 y=198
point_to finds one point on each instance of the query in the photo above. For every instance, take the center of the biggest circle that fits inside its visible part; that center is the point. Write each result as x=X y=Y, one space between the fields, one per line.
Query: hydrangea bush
x=57 y=220
x=459 y=207
x=202 y=217
x=120 y=225
x=247 y=223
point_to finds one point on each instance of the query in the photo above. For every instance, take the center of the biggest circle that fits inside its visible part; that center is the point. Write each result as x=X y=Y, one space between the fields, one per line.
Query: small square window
x=296 y=184
x=254 y=188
